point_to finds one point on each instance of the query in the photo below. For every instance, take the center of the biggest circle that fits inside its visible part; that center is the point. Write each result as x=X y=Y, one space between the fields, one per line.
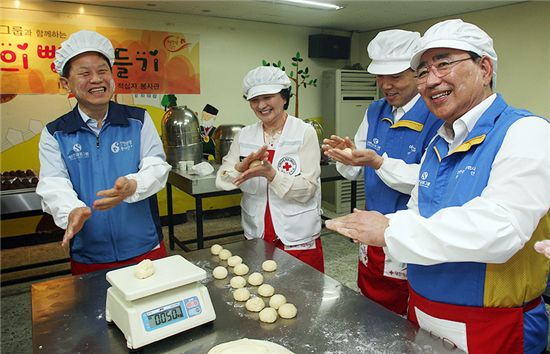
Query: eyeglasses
x=440 y=68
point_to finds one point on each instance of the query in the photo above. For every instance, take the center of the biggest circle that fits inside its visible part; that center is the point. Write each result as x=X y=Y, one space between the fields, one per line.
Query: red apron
x=81 y=268
x=392 y=293
x=313 y=257
x=488 y=330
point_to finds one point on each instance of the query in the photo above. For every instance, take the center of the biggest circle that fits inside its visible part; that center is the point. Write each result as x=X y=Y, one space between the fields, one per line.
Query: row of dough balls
x=278 y=307
x=239 y=268
x=277 y=303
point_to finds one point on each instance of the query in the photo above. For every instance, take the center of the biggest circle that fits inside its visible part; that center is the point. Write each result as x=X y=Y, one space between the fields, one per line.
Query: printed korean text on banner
x=145 y=61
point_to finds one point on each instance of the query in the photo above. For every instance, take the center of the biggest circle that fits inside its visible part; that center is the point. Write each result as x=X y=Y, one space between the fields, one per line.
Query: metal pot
x=181 y=136
x=223 y=137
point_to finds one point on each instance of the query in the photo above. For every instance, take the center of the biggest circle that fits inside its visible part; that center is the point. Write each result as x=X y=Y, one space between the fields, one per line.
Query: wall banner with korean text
x=150 y=62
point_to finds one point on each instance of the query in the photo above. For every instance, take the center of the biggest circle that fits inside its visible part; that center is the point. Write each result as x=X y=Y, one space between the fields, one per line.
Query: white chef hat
x=264 y=80
x=391 y=51
x=81 y=42
x=457 y=34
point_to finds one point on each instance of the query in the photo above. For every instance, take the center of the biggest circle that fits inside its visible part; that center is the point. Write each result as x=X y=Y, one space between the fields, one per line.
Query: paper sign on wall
x=152 y=62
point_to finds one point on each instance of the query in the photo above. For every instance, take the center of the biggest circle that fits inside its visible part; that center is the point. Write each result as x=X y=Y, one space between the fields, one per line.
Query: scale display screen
x=172 y=313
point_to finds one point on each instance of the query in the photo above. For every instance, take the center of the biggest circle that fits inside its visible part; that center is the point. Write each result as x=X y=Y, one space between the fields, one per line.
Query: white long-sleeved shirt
x=494 y=226
x=56 y=189
x=395 y=173
x=300 y=188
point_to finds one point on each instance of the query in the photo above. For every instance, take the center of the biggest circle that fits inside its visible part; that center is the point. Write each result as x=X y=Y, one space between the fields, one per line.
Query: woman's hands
x=250 y=168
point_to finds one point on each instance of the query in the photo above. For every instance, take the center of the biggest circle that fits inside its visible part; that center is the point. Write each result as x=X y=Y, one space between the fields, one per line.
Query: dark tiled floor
x=16 y=330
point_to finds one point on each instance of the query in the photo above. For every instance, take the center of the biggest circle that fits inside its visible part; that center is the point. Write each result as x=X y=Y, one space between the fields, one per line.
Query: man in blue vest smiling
x=480 y=205
x=101 y=165
x=386 y=152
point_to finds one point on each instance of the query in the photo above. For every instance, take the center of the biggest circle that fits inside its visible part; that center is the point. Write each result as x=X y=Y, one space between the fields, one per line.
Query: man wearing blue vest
x=390 y=142
x=481 y=203
x=101 y=165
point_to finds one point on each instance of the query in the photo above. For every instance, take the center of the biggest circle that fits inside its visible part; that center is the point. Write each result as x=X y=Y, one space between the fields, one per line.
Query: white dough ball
x=144 y=269
x=219 y=272
x=287 y=311
x=241 y=294
x=266 y=290
x=240 y=269
x=216 y=249
x=254 y=163
x=234 y=260
x=277 y=300
x=269 y=265
x=255 y=279
x=268 y=315
x=237 y=282
x=255 y=304
x=224 y=254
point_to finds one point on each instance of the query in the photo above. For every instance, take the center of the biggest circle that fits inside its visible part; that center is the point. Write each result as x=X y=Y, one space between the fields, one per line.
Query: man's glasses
x=440 y=68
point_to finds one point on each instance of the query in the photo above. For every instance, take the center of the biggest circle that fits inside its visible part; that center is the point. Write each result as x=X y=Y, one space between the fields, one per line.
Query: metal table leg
x=199 y=221
x=353 y=200
x=170 y=216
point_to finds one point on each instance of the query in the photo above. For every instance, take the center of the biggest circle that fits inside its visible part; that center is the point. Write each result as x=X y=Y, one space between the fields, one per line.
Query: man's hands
x=123 y=188
x=265 y=169
x=343 y=150
x=77 y=218
x=365 y=227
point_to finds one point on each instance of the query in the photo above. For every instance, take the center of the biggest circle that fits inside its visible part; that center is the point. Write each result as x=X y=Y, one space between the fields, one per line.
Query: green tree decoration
x=300 y=77
x=168 y=101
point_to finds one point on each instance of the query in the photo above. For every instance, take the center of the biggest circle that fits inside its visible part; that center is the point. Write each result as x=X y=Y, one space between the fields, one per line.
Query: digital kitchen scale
x=168 y=302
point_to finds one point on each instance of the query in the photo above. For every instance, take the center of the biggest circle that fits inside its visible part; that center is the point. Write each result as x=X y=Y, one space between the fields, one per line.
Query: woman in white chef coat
x=275 y=162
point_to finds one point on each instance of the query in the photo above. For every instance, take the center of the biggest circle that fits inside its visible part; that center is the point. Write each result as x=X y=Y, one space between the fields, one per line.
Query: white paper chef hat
x=457 y=34
x=264 y=80
x=81 y=42
x=391 y=51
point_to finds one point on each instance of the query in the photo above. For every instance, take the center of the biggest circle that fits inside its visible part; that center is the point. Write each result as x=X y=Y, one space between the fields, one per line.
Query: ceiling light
x=314 y=4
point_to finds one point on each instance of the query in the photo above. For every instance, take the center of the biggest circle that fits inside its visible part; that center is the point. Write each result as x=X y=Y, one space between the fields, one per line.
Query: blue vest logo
x=423 y=182
x=468 y=170
x=78 y=153
x=374 y=144
x=119 y=146
x=412 y=149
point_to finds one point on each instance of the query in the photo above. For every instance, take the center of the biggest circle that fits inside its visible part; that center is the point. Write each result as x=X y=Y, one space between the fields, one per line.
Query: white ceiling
x=355 y=16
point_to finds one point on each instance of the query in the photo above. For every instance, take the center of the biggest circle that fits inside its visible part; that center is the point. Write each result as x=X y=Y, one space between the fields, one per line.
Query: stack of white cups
x=185 y=165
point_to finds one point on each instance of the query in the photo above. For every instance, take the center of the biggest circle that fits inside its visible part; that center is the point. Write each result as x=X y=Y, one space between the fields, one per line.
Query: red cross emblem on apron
x=287 y=165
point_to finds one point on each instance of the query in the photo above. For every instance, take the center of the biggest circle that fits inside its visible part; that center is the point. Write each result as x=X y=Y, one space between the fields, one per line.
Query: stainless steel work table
x=68 y=314
x=22 y=203
x=205 y=187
